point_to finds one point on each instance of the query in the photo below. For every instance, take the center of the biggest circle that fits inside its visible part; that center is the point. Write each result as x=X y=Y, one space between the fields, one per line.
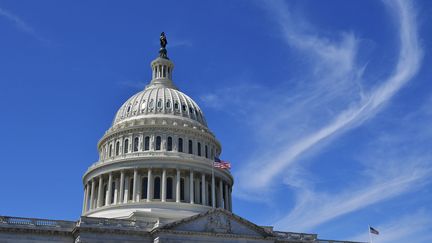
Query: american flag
x=373 y=231
x=221 y=164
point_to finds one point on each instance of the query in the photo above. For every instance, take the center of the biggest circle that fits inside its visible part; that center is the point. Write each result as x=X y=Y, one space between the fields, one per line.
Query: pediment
x=218 y=221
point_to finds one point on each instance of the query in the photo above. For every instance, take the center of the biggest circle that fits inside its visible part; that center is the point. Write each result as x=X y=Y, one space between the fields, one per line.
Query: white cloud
x=22 y=25
x=357 y=111
x=330 y=103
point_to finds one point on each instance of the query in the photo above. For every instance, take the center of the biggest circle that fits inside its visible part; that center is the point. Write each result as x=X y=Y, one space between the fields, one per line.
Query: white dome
x=156 y=161
x=159 y=100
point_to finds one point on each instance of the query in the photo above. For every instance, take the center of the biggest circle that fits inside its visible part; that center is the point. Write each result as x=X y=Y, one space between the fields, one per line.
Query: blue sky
x=323 y=107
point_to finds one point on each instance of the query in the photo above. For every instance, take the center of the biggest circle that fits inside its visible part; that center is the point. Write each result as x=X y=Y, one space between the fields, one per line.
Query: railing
x=152 y=154
x=115 y=223
x=295 y=236
x=45 y=223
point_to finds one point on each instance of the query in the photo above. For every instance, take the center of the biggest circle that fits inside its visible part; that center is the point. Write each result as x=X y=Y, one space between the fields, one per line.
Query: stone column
x=220 y=193
x=191 y=187
x=230 y=198
x=226 y=204
x=149 y=185
x=213 y=188
x=135 y=183
x=178 y=186
x=85 y=199
x=122 y=175
x=203 y=189
x=100 y=194
x=164 y=185
x=108 y=199
x=92 y=194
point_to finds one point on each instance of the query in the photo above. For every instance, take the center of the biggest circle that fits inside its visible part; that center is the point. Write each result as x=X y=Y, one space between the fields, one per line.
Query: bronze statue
x=163 y=40
x=163 y=43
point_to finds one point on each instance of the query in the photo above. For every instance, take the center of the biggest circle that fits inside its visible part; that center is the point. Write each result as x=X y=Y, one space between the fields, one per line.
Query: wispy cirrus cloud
x=358 y=111
x=334 y=99
x=22 y=25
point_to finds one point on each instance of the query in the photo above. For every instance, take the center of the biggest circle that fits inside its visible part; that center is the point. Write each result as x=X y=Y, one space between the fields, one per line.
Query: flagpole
x=370 y=237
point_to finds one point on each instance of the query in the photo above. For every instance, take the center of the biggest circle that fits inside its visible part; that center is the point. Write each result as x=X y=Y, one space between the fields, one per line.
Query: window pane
x=199 y=149
x=169 y=144
x=136 y=144
x=126 y=146
x=190 y=147
x=157 y=188
x=144 y=188
x=147 y=143
x=158 y=143
x=169 y=188
x=180 y=145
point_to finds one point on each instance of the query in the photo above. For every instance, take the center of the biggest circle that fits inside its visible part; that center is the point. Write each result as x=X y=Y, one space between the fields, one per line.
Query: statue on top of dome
x=163 y=40
x=163 y=43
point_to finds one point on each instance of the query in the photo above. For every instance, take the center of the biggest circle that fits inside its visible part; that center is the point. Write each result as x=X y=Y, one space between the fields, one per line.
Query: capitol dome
x=156 y=160
x=159 y=101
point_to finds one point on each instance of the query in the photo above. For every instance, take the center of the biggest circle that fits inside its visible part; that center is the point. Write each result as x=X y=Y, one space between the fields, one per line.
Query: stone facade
x=214 y=225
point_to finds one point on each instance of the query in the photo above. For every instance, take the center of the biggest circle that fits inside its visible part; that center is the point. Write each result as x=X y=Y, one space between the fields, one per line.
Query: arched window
x=126 y=146
x=182 y=189
x=169 y=144
x=158 y=143
x=206 y=151
x=169 y=189
x=144 y=188
x=110 y=150
x=136 y=144
x=131 y=182
x=168 y=104
x=117 y=148
x=190 y=147
x=199 y=149
x=180 y=145
x=157 y=188
x=184 y=107
x=159 y=104
x=176 y=106
x=146 y=143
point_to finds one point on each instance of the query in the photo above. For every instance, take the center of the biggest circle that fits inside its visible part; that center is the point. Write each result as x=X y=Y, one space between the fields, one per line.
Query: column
x=220 y=193
x=203 y=189
x=135 y=183
x=226 y=204
x=213 y=191
x=126 y=189
x=122 y=174
x=108 y=199
x=230 y=198
x=149 y=183
x=100 y=194
x=191 y=187
x=85 y=199
x=92 y=194
x=164 y=185
x=178 y=186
